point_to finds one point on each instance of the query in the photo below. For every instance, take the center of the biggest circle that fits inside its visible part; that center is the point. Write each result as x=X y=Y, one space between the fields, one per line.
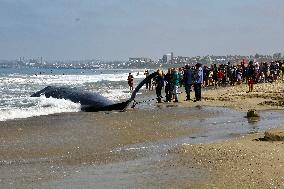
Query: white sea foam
x=42 y=106
x=116 y=94
x=65 y=79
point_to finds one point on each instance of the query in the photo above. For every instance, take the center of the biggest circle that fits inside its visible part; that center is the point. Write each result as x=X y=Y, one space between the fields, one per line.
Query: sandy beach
x=265 y=96
x=152 y=146
x=252 y=161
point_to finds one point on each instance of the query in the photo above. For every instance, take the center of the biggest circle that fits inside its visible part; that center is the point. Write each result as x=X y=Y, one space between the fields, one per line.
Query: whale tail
x=151 y=76
x=123 y=105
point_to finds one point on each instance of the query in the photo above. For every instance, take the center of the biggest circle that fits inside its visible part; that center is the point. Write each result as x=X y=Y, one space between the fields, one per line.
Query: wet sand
x=152 y=146
x=37 y=151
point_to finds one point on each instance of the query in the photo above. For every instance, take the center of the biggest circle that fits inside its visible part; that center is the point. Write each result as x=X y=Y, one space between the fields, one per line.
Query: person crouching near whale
x=198 y=81
x=176 y=83
x=130 y=80
x=159 y=79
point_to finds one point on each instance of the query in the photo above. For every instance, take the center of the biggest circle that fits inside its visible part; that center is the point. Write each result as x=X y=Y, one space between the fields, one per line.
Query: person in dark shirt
x=169 y=86
x=188 y=81
x=130 y=80
x=159 y=79
x=149 y=82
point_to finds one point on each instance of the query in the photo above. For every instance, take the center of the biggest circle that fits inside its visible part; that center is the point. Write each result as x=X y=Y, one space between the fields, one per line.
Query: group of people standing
x=250 y=73
x=198 y=76
x=175 y=78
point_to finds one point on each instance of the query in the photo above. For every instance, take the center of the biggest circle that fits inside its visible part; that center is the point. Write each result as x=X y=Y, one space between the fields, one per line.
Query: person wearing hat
x=198 y=81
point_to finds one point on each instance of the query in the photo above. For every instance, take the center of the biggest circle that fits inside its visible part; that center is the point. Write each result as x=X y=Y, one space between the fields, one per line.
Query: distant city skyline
x=117 y=30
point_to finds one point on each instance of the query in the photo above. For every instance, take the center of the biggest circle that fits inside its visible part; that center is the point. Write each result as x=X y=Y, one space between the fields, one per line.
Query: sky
x=119 y=29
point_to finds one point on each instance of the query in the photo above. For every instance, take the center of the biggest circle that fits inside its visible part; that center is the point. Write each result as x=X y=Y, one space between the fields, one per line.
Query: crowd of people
x=194 y=78
x=251 y=73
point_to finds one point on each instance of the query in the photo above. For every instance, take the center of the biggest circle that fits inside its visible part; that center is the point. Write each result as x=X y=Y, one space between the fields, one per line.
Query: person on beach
x=159 y=79
x=181 y=80
x=148 y=83
x=282 y=69
x=239 y=75
x=188 y=81
x=220 y=77
x=250 y=84
x=215 y=76
x=198 y=82
x=233 y=75
x=205 y=76
x=250 y=70
x=169 y=86
x=130 y=80
x=176 y=83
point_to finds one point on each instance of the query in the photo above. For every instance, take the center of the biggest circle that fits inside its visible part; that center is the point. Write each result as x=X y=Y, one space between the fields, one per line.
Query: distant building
x=168 y=58
x=165 y=59
x=139 y=60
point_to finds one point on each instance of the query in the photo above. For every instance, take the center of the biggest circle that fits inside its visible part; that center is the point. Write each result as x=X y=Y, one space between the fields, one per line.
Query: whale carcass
x=90 y=101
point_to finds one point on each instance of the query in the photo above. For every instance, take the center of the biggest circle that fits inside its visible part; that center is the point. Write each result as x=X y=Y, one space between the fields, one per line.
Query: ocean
x=18 y=84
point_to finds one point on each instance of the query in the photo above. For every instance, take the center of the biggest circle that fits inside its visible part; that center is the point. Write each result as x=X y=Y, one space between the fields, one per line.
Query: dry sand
x=265 y=96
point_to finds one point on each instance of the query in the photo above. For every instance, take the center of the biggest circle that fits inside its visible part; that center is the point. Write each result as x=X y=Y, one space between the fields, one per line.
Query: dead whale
x=90 y=101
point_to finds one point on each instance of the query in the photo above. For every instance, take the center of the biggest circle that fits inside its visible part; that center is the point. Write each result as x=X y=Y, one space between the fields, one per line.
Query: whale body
x=90 y=101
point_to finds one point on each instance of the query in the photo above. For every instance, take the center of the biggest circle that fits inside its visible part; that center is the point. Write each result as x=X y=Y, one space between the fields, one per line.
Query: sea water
x=18 y=84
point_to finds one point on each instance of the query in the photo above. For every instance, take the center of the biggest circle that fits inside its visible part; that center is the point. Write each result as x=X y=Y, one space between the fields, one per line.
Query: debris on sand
x=252 y=113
